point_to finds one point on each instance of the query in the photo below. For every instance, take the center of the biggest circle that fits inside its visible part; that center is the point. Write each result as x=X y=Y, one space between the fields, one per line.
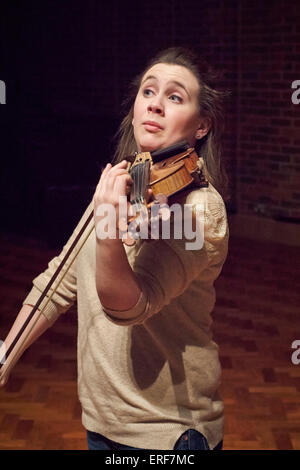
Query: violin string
x=140 y=180
x=134 y=192
x=138 y=169
x=143 y=187
x=140 y=177
x=146 y=178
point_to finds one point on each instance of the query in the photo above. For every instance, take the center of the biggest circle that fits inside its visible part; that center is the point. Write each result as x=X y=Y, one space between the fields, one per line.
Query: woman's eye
x=147 y=92
x=176 y=98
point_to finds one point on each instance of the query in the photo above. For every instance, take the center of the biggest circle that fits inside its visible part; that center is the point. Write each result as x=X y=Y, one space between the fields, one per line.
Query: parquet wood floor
x=256 y=320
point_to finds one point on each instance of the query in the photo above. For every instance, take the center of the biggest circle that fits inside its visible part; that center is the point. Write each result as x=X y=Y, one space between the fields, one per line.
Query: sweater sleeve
x=165 y=268
x=65 y=296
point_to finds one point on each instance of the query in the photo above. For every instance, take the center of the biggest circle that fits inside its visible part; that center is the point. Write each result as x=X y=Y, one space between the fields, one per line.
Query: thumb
x=3 y=380
x=149 y=195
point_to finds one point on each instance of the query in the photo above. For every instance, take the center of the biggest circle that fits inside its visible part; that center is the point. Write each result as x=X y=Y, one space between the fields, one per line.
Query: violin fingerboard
x=140 y=175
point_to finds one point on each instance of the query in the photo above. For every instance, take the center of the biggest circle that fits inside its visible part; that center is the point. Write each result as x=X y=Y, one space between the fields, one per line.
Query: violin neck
x=140 y=175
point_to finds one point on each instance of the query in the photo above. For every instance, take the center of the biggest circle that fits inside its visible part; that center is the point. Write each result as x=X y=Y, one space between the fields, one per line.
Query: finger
x=115 y=170
x=106 y=168
x=149 y=195
x=122 y=164
x=112 y=178
x=121 y=183
x=3 y=381
x=103 y=173
x=110 y=167
x=117 y=165
x=107 y=182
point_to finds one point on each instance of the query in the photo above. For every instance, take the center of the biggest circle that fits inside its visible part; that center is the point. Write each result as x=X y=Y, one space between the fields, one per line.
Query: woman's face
x=166 y=108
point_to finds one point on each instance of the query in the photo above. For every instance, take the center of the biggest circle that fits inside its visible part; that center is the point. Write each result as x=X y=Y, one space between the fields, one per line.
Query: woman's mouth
x=152 y=126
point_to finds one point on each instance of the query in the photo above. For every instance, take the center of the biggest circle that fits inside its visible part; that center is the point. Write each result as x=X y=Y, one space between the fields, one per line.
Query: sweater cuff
x=135 y=314
x=49 y=310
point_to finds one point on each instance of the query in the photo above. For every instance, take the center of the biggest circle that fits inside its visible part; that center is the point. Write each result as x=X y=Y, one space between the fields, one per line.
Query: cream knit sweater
x=143 y=382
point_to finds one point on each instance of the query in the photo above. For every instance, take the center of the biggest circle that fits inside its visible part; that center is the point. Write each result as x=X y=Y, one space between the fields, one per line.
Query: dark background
x=67 y=65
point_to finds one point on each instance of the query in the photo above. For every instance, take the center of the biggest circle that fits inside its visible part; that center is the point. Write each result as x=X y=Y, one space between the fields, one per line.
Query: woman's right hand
x=37 y=325
x=3 y=379
x=3 y=370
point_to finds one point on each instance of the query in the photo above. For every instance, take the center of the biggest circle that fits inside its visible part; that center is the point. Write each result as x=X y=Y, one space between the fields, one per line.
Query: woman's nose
x=155 y=107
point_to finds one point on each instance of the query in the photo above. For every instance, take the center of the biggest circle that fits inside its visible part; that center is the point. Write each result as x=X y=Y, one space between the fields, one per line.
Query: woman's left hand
x=115 y=181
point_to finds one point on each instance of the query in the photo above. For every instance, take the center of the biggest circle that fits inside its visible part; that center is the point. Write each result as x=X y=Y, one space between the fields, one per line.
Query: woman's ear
x=204 y=128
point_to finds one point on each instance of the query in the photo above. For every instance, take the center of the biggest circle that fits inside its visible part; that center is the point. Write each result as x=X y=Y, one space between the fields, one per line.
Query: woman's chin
x=149 y=145
x=152 y=143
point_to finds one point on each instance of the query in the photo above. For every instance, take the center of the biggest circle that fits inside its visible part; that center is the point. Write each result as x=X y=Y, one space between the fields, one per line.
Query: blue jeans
x=189 y=440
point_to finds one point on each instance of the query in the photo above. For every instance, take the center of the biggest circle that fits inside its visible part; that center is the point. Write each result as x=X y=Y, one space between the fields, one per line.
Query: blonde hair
x=210 y=106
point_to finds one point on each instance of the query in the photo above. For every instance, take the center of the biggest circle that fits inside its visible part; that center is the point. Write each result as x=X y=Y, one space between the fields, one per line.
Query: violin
x=167 y=173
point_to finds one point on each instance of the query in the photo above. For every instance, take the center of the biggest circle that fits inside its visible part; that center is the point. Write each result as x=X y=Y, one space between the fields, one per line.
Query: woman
x=148 y=370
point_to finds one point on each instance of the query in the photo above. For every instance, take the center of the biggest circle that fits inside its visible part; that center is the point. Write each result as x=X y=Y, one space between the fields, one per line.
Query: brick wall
x=268 y=150
x=209 y=27
x=257 y=45
x=67 y=66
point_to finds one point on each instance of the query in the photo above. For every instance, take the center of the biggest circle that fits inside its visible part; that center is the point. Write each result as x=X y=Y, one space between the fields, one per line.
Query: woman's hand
x=114 y=184
x=3 y=379
x=116 y=283
x=3 y=373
